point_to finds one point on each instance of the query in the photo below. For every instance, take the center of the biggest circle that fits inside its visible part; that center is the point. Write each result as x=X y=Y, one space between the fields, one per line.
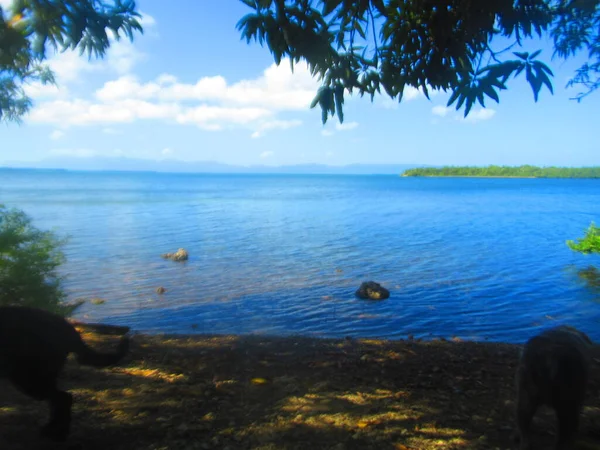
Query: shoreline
x=102 y=328
x=290 y=393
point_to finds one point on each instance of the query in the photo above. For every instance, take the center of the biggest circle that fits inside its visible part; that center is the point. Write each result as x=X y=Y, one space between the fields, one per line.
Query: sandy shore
x=231 y=392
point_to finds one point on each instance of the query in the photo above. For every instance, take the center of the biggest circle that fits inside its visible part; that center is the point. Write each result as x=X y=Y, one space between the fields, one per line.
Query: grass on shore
x=263 y=393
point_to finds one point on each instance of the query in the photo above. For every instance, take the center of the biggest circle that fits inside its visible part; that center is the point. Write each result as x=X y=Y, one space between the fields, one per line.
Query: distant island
x=123 y=164
x=524 y=171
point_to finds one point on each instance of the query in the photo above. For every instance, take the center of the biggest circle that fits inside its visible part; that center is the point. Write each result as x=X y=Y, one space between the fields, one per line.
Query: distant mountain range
x=177 y=166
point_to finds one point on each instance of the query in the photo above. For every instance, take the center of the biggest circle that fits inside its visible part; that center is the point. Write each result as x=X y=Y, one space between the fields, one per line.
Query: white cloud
x=478 y=115
x=441 y=111
x=126 y=88
x=277 y=89
x=146 y=21
x=82 y=112
x=346 y=126
x=211 y=117
x=73 y=152
x=167 y=151
x=109 y=130
x=410 y=93
x=57 y=134
x=275 y=125
x=266 y=154
x=166 y=78
x=69 y=66
x=122 y=56
x=211 y=103
x=334 y=126
x=37 y=90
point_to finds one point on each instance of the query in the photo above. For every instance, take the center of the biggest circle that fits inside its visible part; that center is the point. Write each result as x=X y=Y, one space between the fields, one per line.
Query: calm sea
x=283 y=254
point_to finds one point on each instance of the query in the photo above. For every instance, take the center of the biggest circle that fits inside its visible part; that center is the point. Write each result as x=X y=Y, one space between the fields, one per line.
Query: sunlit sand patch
x=362 y=398
x=183 y=343
x=151 y=373
x=320 y=404
x=377 y=342
x=8 y=410
x=391 y=424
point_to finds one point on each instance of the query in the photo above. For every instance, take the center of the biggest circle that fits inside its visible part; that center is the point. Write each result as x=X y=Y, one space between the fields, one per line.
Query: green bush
x=29 y=259
x=590 y=243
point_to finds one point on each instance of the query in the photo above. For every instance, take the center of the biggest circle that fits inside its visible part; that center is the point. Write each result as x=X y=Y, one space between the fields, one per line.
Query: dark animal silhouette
x=553 y=371
x=34 y=345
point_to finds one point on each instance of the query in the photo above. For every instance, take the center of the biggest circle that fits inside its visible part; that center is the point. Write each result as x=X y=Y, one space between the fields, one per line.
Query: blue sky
x=190 y=89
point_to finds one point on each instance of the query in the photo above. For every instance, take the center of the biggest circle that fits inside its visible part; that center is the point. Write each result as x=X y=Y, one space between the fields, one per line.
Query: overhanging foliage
x=374 y=46
x=31 y=26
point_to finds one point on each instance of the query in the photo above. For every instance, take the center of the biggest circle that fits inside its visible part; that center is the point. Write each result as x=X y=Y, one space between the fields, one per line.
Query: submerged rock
x=372 y=291
x=180 y=255
x=160 y=290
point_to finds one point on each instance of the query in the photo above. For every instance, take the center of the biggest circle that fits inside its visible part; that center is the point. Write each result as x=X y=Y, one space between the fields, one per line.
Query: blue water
x=472 y=258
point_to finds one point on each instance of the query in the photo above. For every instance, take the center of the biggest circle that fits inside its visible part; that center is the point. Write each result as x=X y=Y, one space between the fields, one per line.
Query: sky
x=190 y=89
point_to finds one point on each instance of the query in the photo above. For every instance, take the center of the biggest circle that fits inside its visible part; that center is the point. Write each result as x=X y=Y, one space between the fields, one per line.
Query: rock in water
x=372 y=291
x=160 y=290
x=180 y=255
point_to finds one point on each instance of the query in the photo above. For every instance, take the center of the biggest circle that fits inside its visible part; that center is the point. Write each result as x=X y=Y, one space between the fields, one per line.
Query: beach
x=256 y=392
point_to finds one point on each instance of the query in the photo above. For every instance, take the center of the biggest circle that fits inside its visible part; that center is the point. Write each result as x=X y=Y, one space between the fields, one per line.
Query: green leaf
x=535 y=83
x=469 y=105
x=522 y=55
x=520 y=69
x=535 y=54
x=453 y=97
x=339 y=102
x=317 y=99
x=250 y=3
x=330 y=5
x=461 y=101
x=379 y=6
x=491 y=92
x=265 y=4
x=542 y=66
x=480 y=98
x=541 y=75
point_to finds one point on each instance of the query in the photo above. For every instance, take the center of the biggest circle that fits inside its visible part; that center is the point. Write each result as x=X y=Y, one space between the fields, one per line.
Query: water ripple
x=283 y=255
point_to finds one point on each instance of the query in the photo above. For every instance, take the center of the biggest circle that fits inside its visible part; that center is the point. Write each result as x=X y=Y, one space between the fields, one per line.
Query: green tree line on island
x=524 y=171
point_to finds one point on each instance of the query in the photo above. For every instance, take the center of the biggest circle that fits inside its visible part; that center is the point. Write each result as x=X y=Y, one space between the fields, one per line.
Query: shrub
x=590 y=243
x=29 y=259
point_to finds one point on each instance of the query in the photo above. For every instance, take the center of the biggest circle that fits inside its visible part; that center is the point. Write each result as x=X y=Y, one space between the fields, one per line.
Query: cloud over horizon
x=210 y=103
x=476 y=114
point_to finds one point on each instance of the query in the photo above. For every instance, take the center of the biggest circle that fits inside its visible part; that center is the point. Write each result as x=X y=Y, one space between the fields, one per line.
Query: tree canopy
x=29 y=27
x=461 y=46
x=465 y=47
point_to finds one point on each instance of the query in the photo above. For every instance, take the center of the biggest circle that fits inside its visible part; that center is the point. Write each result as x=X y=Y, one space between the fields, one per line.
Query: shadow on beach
x=255 y=392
